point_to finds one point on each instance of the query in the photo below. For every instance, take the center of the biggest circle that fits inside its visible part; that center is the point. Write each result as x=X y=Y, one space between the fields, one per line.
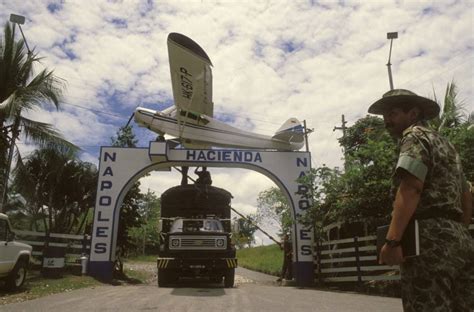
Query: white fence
x=352 y=260
x=74 y=245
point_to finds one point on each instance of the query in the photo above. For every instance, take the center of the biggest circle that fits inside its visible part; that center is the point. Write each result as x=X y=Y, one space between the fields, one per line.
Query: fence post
x=85 y=241
x=318 y=257
x=359 y=276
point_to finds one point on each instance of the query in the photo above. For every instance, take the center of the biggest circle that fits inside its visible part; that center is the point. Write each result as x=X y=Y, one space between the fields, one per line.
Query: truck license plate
x=197 y=266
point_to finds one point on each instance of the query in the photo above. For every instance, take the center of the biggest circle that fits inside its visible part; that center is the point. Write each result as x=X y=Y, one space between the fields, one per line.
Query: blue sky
x=313 y=60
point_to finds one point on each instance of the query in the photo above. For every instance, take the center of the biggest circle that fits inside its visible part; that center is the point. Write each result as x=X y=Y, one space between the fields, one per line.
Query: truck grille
x=197 y=243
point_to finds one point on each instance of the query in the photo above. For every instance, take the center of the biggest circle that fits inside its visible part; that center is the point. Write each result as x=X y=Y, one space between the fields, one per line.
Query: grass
x=265 y=259
x=37 y=286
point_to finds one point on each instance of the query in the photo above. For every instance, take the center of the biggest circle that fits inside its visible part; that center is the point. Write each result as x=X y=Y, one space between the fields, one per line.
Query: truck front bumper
x=195 y=263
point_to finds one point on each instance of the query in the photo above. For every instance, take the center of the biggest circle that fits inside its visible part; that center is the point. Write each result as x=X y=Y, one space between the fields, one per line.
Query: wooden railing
x=74 y=245
x=352 y=260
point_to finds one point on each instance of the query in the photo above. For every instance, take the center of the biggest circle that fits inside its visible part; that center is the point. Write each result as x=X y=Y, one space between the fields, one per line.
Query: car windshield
x=186 y=226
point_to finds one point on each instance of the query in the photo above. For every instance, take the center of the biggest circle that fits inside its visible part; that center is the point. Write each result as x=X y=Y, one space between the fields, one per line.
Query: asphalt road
x=253 y=292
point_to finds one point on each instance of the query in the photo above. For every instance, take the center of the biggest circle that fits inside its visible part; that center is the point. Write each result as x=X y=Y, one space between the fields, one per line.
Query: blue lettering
x=101 y=231
x=105 y=185
x=237 y=156
x=248 y=156
x=258 y=157
x=302 y=174
x=226 y=155
x=211 y=155
x=303 y=204
x=108 y=171
x=304 y=234
x=105 y=200
x=201 y=156
x=306 y=250
x=111 y=157
x=190 y=155
x=100 y=248
x=99 y=217
x=302 y=161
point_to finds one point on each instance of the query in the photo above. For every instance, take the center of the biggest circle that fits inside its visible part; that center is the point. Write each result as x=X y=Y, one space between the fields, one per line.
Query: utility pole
x=343 y=128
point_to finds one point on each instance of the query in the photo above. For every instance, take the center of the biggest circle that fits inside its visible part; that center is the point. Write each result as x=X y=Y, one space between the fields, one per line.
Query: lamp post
x=391 y=36
x=20 y=20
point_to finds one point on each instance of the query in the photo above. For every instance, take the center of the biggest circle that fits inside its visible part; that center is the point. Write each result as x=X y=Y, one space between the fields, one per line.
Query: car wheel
x=17 y=277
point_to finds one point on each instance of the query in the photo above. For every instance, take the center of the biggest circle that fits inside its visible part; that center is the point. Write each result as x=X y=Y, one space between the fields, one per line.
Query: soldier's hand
x=391 y=255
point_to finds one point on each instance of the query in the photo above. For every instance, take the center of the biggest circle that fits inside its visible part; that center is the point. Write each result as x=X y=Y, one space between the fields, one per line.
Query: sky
x=313 y=60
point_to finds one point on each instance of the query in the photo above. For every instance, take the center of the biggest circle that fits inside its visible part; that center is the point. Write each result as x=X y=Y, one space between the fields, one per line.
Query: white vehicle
x=191 y=120
x=14 y=256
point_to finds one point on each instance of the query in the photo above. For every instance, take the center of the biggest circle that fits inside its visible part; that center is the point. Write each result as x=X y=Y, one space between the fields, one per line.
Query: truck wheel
x=17 y=277
x=229 y=278
x=165 y=278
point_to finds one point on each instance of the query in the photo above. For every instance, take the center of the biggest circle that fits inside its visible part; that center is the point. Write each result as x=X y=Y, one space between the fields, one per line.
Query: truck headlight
x=220 y=242
x=175 y=242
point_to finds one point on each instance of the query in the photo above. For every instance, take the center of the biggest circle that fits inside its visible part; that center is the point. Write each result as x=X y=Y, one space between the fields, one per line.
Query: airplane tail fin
x=291 y=131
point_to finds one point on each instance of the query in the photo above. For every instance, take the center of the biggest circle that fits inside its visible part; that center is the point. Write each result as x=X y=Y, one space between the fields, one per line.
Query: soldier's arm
x=404 y=206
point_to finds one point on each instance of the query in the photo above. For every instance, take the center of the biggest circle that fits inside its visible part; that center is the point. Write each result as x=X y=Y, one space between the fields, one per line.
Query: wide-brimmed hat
x=394 y=98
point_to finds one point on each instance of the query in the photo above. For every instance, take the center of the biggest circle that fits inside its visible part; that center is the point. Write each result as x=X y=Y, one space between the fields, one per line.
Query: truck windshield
x=187 y=226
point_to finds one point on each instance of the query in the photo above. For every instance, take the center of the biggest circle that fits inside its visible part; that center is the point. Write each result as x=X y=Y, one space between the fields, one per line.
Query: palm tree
x=453 y=110
x=20 y=91
x=58 y=189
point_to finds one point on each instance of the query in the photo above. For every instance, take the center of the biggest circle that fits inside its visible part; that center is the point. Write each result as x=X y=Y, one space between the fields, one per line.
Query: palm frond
x=45 y=135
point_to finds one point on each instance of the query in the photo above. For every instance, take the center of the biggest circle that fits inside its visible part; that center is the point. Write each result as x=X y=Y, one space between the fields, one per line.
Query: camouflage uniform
x=441 y=277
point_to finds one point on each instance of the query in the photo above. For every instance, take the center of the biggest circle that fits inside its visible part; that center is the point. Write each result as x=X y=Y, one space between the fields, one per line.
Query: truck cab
x=195 y=235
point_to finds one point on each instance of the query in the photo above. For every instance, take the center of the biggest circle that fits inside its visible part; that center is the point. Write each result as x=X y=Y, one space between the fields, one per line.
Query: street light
x=20 y=20
x=391 y=36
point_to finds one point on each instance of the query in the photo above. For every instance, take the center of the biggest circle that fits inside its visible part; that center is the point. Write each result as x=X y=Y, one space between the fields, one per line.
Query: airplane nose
x=143 y=117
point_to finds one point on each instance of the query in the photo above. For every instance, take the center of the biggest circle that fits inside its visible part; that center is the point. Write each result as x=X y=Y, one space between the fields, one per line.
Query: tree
x=129 y=213
x=362 y=193
x=273 y=206
x=20 y=91
x=57 y=188
x=458 y=126
x=243 y=231
x=147 y=235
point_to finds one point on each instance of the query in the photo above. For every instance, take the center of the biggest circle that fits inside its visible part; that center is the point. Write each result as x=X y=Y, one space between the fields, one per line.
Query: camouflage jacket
x=434 y=160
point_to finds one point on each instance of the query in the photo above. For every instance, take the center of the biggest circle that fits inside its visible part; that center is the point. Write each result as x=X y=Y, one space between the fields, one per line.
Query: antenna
x=391 y=36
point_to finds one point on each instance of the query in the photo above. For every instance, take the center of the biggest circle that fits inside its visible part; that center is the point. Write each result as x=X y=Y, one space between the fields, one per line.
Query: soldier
x=430 y=187
x=286 y=270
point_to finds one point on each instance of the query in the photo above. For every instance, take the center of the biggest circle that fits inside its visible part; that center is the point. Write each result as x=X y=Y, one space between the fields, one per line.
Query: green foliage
x=146 y=237
x=266 y=259
x=20 y=91
x=362 y=192
x=273 y=206
x=243 y=231
x=130 y=210
x=58 y=189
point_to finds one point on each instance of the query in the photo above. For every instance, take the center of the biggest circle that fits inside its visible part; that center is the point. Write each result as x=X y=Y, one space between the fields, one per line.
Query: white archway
x=120 y=167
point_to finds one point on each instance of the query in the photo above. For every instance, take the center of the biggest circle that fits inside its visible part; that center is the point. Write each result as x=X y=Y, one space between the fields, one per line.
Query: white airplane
x=191 y=120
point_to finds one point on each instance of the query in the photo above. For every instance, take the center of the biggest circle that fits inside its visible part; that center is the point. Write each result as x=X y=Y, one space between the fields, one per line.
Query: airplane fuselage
x=201 y=131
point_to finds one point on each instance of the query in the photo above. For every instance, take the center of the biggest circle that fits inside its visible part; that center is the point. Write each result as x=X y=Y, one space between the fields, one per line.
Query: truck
x=14 y=256
x=195 y=235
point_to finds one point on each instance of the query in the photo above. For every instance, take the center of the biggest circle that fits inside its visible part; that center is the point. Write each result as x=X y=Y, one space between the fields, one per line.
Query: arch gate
x=120 y=168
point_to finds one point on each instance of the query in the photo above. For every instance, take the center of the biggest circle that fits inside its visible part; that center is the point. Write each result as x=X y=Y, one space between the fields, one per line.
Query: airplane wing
x=191 y=76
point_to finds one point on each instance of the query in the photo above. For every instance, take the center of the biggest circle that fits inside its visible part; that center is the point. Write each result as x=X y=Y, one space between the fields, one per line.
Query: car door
x=8 y=250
